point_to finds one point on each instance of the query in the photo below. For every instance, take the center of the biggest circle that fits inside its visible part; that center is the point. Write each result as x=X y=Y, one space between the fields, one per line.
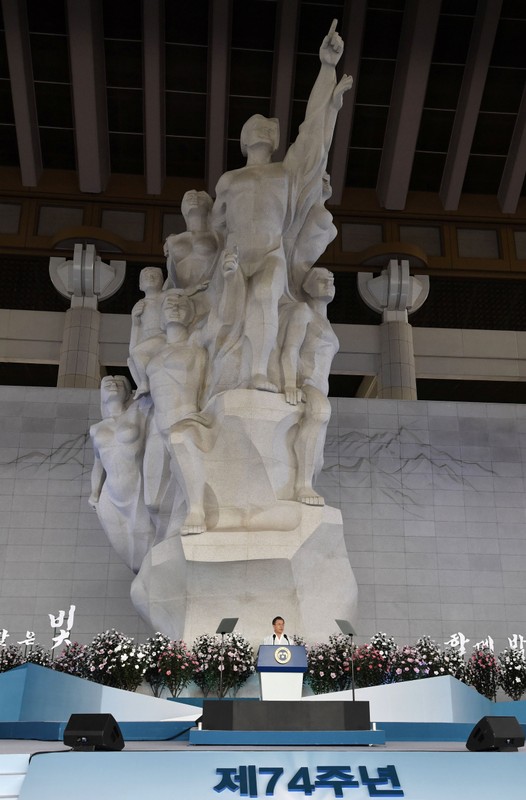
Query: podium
x=281 y=669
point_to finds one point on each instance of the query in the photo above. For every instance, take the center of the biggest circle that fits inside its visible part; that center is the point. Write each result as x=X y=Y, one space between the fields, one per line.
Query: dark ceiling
x=163 y=88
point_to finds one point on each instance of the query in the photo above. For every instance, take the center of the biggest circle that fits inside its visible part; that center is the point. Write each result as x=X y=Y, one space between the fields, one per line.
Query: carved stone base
x=186 y=585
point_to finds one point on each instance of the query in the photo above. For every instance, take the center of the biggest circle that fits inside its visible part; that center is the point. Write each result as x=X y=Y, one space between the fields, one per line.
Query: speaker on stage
x=500 y=734
x=93 y=732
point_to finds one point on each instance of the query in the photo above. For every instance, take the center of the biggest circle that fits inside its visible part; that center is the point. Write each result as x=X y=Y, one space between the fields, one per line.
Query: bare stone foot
x=308 y=496
x=262 y=383
x=194 y=523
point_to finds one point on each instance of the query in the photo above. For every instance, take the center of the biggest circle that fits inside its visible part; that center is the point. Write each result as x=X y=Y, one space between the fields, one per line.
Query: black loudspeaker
x=496 y=733
x=93 y=732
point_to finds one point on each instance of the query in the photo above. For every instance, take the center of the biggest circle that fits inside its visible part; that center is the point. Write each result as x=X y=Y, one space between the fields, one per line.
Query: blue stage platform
x=167 y=755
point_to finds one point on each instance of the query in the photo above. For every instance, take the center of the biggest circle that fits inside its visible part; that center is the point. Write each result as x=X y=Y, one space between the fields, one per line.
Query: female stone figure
x=190 y=256
x=116 y=480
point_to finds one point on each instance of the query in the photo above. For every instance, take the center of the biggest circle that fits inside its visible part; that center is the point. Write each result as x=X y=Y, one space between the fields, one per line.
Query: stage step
x=13 y=769
x=286 y=738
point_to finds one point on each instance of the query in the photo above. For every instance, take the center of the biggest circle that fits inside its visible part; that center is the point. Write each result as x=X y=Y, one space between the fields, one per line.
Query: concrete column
x=397 y=378
x=394 y=294
x=79 y=364
x=84 y=280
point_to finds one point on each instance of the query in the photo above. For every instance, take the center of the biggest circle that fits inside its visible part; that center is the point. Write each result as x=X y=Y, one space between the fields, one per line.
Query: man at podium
x=279 y=636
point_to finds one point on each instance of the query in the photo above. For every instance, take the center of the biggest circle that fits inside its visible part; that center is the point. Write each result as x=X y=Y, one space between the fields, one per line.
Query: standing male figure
x=308 y=349
x=176 y=375
x=279 y=636
x=256 y=205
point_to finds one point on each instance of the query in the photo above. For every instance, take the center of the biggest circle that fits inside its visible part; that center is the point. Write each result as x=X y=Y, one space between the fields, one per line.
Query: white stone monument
x=204 y=480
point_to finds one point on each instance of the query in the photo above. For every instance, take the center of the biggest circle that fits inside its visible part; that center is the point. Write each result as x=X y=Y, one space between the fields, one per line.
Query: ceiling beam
x=407 y=101
x=86 y=49
x=514 y=171
x=218 y=86
x=470 y=97
x=154 y=94
x=22 y=90
x=283 y=71
x=353 y=30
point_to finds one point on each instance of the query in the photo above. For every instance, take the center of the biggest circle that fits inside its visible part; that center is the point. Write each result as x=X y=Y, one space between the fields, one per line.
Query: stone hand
x=332 y=46
x=339 y=90
x=293 y=395
x=138 y=310
x=230 y=262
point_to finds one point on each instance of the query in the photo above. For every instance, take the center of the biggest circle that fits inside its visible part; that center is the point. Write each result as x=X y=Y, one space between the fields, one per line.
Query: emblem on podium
x=282 y=655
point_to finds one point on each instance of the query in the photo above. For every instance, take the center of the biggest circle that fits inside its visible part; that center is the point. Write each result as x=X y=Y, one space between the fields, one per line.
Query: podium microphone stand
x=226 y=625
x=348 y=630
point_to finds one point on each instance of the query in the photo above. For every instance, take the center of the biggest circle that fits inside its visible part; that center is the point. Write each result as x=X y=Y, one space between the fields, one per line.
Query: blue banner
x=291 y=775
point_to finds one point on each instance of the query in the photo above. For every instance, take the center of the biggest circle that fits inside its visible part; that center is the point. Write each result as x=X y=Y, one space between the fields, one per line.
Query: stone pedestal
x=188 y=584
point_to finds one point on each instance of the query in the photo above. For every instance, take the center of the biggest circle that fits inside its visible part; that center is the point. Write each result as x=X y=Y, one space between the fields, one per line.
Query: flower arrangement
x=407 y=665
x=372 y=661
x=38 y=655
x=322 y=669
x=73 y=660
x=10 y=657
x=176 y=665
x=222 y=665
x=482 y=672
x=115 y=660
x=299 y=640
x=385 y=644
x=455 y=663
x=448 y=662
x=512 y=672
x=329 y=665
x=153 y=649
x=370 y=666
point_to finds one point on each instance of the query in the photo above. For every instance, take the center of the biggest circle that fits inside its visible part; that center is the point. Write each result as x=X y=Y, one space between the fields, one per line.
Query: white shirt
x=275 y=639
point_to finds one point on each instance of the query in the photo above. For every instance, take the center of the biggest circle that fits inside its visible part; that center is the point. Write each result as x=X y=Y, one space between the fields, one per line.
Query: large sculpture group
x=237 y=335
